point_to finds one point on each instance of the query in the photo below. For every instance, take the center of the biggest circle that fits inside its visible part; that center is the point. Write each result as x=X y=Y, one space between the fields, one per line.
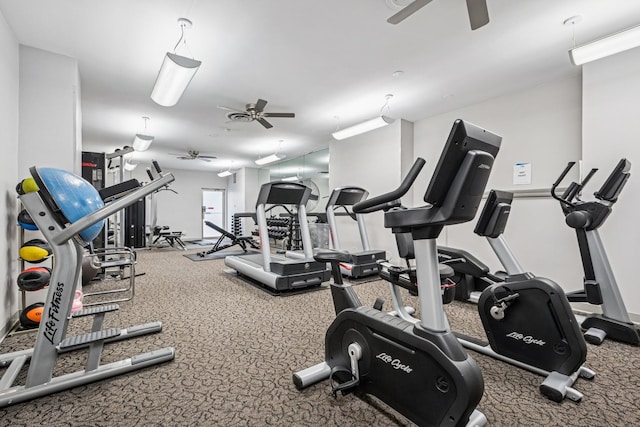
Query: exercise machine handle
x=558 y=181
x=389 y=200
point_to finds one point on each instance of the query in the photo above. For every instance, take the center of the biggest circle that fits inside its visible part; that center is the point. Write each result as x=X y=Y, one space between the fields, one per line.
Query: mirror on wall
x=311 y=170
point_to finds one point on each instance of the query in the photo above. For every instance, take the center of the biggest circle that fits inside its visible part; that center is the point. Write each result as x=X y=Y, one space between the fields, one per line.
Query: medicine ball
x=25 y=221
x=31 y=316
x=35 y=250
x=75 y=197
x=27 y=185
x=34 y=278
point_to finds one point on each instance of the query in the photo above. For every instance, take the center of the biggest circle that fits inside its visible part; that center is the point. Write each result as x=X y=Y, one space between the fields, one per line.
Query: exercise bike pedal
x=378 y=304
x=355 y=354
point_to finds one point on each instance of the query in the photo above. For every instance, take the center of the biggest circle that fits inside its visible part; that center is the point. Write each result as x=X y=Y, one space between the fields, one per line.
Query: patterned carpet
x=237 y=347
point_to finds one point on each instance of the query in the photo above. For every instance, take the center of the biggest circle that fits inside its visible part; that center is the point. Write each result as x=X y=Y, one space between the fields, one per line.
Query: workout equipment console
x=69 y=212
x=281 y=273
x=417 y=367
x=600 y=287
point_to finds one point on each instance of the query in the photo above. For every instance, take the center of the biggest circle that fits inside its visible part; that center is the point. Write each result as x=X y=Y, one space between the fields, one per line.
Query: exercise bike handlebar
x=558 y=181
x=391 y=199
x=573 y=189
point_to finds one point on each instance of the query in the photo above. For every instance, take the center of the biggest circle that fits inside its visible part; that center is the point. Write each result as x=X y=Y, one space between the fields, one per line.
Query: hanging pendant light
x=175 y=73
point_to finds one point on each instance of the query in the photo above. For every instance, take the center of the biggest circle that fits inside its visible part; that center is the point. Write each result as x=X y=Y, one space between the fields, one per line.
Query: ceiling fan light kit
x=269 y=159
x=363 y=127
x=175 y=74
x=606 y=46
x=142 y=142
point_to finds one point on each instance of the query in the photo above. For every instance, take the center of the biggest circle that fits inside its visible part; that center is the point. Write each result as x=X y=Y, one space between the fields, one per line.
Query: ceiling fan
x=477 y=9
x=193 y=155
x=253 y=112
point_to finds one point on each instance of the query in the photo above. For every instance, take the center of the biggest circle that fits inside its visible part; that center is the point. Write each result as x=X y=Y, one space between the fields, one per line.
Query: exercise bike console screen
x=493 y=219
x=464 y=137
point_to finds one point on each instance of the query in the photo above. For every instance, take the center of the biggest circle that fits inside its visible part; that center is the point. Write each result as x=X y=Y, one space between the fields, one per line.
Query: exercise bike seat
x=328 y=255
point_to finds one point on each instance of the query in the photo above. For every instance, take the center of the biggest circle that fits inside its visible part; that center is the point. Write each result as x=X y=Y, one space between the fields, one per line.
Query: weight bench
x=171 y=237
x=235 y=240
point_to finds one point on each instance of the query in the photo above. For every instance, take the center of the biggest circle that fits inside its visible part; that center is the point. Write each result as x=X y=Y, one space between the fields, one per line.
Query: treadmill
x=278 y=272
x=365 y=262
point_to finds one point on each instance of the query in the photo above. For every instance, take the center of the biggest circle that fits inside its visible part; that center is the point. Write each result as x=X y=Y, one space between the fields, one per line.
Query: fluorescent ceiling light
x=128 y=166
x=142 y=142
x=270 y=159
x=609 y=45
x=363 y=127
x=225 y=173
x=290 y=178
x=175 y=75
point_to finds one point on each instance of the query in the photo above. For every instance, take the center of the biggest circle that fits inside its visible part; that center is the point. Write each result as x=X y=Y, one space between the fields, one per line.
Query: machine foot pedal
x=85 y=339
x=92 y=311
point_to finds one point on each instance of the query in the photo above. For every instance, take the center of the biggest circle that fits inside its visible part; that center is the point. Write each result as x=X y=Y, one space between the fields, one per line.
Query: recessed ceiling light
x=397 y=74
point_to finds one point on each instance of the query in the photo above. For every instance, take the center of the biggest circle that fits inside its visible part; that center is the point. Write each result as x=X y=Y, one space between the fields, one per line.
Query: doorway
x=213 y=210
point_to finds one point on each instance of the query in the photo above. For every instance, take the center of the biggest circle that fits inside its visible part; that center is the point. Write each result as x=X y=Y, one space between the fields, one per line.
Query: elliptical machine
x=600 y=286
x=418 y=368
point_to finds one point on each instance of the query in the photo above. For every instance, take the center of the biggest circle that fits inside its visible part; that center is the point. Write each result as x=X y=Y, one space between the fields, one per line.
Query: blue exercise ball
x=75 y=197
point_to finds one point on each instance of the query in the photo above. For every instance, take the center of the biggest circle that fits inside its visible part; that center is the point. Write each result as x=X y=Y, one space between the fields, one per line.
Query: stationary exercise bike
x=600 y=286
x=418 y=368
x=527 y=319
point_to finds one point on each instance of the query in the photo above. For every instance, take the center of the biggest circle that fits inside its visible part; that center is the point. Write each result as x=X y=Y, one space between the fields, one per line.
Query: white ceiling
x=329 y=61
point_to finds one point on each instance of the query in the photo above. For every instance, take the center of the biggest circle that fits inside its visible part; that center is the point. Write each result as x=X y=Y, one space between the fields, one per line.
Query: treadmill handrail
x=390 y=199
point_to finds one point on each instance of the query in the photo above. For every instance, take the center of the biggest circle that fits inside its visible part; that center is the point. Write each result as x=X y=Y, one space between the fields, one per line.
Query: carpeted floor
x=237 y=347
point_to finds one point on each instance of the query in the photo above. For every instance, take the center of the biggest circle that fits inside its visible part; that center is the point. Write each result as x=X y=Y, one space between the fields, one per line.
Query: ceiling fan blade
x=408 y=11
x=478 y=13
x=204 y=158
x=260 y=105
x=279 y=115
x=185 y=158
x=222 y=107
x=207 y=157
x=264 y=123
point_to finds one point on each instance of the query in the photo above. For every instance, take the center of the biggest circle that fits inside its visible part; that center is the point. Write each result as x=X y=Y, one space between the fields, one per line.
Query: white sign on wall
x=522 y=173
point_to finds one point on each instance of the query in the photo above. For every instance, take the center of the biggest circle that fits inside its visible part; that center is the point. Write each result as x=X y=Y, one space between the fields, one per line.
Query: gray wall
x=49 y=111
x=373 y=161
x=541 y=125
x=547 y=125
x=9 y=84
x=611 y=90
x=182 y=211
x=41 y=126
